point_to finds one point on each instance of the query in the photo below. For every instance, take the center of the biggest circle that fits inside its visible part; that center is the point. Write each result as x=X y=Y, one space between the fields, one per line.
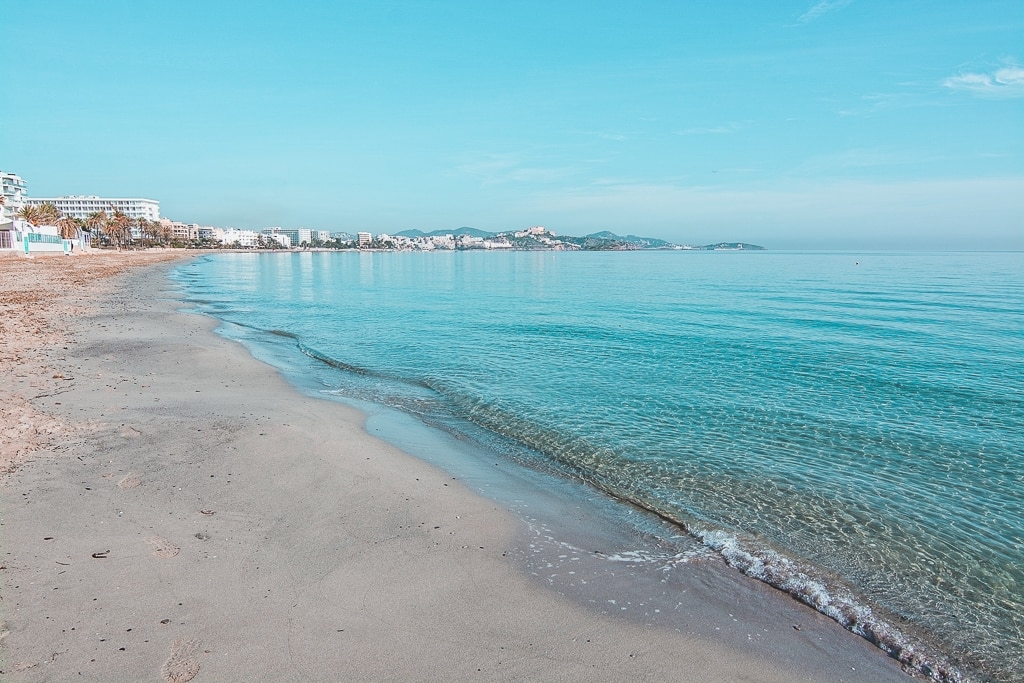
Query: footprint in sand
x=164 y=548
x=181 y=666
x=130 y=481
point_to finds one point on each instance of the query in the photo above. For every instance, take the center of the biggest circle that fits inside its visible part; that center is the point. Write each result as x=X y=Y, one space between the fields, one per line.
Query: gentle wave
x=865 y=423
x=829 y=596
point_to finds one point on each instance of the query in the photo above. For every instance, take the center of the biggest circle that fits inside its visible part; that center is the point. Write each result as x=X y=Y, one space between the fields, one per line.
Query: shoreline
x=200 y=517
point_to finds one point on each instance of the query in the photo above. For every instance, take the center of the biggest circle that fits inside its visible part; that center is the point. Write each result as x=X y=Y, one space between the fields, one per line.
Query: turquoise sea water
x=846 y=427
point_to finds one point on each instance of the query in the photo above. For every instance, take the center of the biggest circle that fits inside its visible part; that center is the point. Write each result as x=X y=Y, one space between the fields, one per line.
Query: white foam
x=830 y=598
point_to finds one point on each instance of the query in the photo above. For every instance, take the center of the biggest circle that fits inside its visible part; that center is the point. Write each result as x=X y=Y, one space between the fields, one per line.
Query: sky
x=817 y=124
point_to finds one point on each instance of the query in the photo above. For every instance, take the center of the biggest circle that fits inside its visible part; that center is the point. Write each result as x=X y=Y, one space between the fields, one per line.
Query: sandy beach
x=173 y=510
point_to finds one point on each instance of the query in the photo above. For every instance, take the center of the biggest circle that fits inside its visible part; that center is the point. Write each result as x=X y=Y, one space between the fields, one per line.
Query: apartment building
x=17 y=235
x=296 y=236
x=82 y=206
x=12 y=187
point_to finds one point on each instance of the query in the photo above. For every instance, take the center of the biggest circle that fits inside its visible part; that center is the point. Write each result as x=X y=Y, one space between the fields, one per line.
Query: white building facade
x=296 y=236
x=12 y=187
x=18 y=235
x=242 y=238
x=82 y=206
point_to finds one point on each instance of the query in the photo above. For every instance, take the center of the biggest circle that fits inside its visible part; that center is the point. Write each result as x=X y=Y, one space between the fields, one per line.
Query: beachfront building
x=29 y=238
x=21 y=236
x=12 y=187
x=365 y=239
x=276 y=234
x=296 y=236
x=178 y=231
x=242 y=238
x=82 y=206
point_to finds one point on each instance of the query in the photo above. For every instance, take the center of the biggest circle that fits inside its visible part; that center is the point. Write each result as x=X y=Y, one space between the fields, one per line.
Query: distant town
x=82 y=222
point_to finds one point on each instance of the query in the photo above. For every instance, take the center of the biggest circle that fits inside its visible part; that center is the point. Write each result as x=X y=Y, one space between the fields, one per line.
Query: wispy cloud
x=820 y=9
x=1007 y=81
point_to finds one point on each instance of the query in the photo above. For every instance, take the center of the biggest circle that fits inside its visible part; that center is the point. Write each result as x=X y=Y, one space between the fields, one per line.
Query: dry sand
x=173 y=510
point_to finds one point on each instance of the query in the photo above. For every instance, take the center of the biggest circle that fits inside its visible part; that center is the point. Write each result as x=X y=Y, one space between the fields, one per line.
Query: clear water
x=847 y=427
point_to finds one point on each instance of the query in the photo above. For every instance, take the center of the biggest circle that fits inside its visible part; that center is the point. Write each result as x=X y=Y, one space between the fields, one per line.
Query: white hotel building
x=20 y=236
x=12 y=187
x=81 y=206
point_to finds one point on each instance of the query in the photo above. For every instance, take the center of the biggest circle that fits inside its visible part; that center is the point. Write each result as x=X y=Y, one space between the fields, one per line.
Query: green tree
x=96 y=221
x=30 y=214
x=145 y=229
x=48 y=214
x=69 y=227
x=119 y=228
x=164 y=232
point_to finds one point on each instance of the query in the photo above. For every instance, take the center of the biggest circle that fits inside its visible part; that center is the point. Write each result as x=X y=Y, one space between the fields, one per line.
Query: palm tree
x=164 y=232
x=119 y=227
x=146 y=229
x=48 y=214
x=96 y=221
x=68 y=227
x=30 y=214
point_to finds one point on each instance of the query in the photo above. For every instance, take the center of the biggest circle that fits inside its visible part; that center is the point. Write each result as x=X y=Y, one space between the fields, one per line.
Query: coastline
x=190 y=514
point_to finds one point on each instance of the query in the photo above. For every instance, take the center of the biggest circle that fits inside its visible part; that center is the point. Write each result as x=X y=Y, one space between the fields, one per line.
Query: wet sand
x=173 y=510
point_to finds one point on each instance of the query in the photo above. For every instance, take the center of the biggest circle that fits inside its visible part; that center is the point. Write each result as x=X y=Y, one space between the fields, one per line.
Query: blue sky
x=819 y=124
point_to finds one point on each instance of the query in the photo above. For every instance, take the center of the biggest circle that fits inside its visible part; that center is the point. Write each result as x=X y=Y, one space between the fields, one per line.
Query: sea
x=846 y=427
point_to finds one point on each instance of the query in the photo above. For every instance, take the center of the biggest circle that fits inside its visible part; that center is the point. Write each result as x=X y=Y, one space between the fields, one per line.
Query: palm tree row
x=113 y=228
x=47 y=214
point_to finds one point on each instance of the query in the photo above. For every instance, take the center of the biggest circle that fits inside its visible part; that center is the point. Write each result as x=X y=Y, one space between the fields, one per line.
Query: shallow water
x=847 y=427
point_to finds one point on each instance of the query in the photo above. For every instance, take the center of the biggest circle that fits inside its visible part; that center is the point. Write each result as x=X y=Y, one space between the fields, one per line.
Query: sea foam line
x=840 y=604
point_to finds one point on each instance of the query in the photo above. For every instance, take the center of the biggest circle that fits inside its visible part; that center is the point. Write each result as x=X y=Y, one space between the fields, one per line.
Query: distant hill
x=730 y=246
x=636 y=241
x=472 y=232
x=642 y=242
